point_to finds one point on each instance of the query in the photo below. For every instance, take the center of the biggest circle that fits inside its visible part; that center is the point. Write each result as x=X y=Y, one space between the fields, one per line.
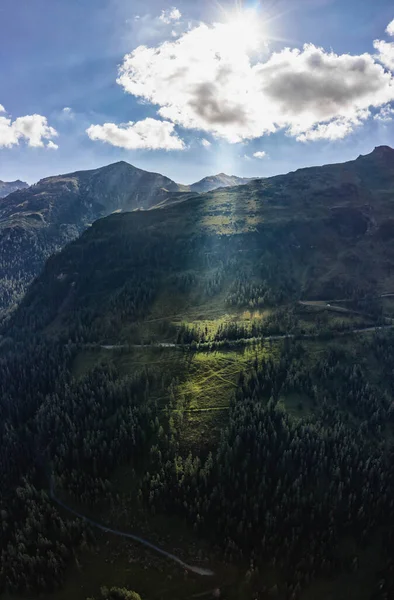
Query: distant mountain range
x=321 y=232
x=39 y=220
x=7 y=187
x=216 y=181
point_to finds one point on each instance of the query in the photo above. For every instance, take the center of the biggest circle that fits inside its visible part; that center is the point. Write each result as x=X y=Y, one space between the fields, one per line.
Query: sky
x=190 y=88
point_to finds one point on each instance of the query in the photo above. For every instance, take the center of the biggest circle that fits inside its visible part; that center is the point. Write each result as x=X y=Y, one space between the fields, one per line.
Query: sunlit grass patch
x=211 y=378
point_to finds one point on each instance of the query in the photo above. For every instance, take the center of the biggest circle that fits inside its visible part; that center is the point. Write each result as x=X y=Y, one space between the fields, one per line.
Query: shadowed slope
x=38 y=221
x=315 y=233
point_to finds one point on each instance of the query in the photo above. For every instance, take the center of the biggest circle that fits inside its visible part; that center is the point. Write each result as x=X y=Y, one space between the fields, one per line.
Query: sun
x=245 y=28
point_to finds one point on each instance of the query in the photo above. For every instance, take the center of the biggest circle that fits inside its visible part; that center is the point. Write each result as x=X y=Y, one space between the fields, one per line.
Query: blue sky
x=221 y=89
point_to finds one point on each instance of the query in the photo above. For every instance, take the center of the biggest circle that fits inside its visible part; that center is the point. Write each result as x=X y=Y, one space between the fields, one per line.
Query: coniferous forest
x=273 y=489
x=198 y=401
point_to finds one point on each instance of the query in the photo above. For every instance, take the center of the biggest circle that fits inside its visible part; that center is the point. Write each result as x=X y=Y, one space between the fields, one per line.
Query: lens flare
x=243 y=28
x=246 y=28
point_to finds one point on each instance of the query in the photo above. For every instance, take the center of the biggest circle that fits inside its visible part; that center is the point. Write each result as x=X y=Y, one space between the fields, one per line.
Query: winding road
x=247 y=341
x=131 y=536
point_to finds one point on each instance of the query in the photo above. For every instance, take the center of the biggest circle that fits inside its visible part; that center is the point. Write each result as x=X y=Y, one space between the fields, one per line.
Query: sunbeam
x=250 y=23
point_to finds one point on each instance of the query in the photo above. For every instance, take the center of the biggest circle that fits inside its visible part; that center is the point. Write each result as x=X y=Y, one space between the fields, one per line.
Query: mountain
x=38 y=221
x=7 y=187
x=214 y=380
x=317 y=233
x=88 y=194
x=207 y=184
x=217 y=181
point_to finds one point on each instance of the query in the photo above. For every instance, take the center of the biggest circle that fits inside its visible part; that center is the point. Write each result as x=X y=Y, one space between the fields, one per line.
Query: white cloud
x=34 y=129
x=8 y=135
x=260 y=154
x=173 y=14
x=2 y=109
x=386 y=53
x=390 y=28
x=385 y=115
x=386 y=49
x=205 y=143
x=52 y=146
x=310 y=93
x=336 y=130
x=67 y=113
x=149 y=134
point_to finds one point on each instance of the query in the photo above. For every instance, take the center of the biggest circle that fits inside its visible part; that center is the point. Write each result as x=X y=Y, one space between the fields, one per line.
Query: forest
x=223 y=364
x=273 y=489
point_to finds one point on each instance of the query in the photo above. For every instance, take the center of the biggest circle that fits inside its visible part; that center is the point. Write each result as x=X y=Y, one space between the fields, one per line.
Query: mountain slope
x=38 y=221
x=319 y=233
x=268 y=446
x=7 y=187
x=217 y=181
x=63 y=198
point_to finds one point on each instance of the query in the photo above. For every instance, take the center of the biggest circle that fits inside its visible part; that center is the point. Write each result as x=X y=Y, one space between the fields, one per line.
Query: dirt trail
x=135 y=538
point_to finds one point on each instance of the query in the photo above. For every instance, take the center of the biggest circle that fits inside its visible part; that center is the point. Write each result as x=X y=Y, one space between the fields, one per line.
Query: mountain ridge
x=207 y=184
x=41 y=219
x=323 y=232
x=7 y=187
x=37 y=221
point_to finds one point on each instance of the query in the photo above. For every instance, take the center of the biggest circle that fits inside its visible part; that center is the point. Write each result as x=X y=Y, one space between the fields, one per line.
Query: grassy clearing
x=209 y=327
x=208 y=388
x=210 y=379
x=206 y=381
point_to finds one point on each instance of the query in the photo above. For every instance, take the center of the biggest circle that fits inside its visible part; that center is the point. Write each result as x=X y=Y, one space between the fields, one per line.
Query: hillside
x=7 y=187
x=317 y=234
x=38 y=221
x=197 y=401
